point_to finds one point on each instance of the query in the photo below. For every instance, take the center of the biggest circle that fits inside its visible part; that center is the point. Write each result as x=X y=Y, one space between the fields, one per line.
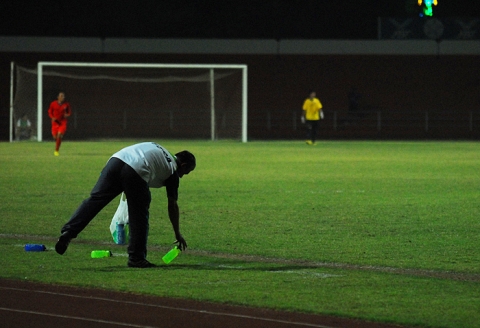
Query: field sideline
x=381 y=231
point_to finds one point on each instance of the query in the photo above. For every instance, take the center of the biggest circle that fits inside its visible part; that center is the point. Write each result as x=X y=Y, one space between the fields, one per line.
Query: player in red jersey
x=58 y=111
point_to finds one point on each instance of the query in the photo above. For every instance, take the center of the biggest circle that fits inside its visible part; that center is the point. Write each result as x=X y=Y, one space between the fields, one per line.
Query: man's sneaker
x=140 y=264
x=309 y=142
x=62 y=243
x=56 y=153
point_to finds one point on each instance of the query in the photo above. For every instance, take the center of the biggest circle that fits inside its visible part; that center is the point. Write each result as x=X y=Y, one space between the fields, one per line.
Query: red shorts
x=59 y=127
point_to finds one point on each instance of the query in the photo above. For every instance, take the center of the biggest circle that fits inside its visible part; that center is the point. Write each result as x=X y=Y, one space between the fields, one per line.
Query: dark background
x=305 y=19
x=403 y=88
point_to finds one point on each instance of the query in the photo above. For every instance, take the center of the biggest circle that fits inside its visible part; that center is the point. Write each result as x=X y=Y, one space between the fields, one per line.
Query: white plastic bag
x=119 y=221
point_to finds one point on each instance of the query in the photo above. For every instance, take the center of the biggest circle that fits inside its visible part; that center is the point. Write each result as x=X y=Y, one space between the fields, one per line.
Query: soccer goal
x=126 y=100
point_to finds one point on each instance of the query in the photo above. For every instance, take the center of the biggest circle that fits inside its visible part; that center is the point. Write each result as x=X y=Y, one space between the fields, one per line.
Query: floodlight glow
x=428 y=9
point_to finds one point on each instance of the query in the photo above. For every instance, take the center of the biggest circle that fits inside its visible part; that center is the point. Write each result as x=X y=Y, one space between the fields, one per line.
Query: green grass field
x=382 y=231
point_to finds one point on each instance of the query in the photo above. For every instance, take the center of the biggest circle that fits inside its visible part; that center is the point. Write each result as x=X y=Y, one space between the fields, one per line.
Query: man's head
x=186 y=162
x=61 y=97
x=313 y=94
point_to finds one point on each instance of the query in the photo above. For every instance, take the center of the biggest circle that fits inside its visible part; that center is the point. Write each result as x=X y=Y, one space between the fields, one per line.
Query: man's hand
x=182 y=244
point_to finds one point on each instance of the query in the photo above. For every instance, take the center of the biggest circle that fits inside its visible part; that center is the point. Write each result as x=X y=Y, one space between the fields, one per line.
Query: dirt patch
x=29 y=304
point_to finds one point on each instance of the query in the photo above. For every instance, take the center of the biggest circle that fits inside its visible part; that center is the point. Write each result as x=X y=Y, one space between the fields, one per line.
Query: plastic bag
x=119 y=225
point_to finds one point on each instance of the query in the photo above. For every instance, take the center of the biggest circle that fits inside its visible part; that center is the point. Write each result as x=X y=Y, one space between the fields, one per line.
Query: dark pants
x=312 y=127
x=116 y=177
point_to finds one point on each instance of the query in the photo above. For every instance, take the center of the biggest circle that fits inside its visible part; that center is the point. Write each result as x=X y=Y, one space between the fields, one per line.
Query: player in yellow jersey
x=312 y=113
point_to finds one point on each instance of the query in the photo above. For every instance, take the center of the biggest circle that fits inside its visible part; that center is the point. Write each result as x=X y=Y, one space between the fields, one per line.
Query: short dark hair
x=188 y=158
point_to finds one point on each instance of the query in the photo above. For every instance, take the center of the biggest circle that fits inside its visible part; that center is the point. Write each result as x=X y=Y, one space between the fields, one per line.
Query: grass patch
x=384 y=231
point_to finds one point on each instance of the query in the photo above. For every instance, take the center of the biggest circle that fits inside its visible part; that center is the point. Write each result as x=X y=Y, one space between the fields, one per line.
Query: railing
x=379 y=123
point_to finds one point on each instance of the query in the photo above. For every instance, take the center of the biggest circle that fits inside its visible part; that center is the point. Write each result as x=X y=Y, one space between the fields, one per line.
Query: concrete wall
x=410 y=89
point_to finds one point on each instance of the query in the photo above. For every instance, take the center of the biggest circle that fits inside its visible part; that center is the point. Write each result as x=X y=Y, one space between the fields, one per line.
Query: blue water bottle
x=35 y=248
x=120 y=234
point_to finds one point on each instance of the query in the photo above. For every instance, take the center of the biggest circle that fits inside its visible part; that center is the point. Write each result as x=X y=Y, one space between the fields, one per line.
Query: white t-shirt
x=152 y=162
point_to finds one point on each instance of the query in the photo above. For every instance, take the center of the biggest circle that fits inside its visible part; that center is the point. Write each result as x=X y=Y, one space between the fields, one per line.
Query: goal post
x=111 y=100
x=11 y=121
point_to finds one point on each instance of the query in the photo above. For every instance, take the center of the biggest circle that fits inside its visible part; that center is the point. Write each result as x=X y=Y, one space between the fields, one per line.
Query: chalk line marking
x=304 y=324
x=76 y=318
x=302 y=273
x=53 y=248
x=450 y=275
x=315 y=274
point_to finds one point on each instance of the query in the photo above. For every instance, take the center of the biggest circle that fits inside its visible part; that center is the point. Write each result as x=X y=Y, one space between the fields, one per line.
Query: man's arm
x=320 y=109
x=174 y=215
x=304 y=111
x=50 y=112
x=68 y=111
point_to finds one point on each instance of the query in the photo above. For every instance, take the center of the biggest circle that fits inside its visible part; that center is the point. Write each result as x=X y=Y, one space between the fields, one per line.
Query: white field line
x=53 y=248
x=449 y=275
x=224 y=314
x=75 y=318
x=234 y=267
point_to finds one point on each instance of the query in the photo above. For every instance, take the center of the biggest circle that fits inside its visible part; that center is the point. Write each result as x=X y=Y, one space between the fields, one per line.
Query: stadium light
x=428 y=7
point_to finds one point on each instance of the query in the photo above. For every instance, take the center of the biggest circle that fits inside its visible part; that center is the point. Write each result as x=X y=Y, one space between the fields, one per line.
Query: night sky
x=224 y=19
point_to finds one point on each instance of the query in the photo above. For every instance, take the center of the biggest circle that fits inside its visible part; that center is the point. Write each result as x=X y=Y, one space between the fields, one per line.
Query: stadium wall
x=417 y=89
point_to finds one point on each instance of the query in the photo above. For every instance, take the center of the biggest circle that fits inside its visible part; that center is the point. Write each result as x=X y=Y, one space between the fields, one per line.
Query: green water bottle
x=171 y=255
x=100 y=254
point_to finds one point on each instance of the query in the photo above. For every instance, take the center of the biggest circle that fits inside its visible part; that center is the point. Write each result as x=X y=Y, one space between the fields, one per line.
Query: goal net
x=114 y=100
